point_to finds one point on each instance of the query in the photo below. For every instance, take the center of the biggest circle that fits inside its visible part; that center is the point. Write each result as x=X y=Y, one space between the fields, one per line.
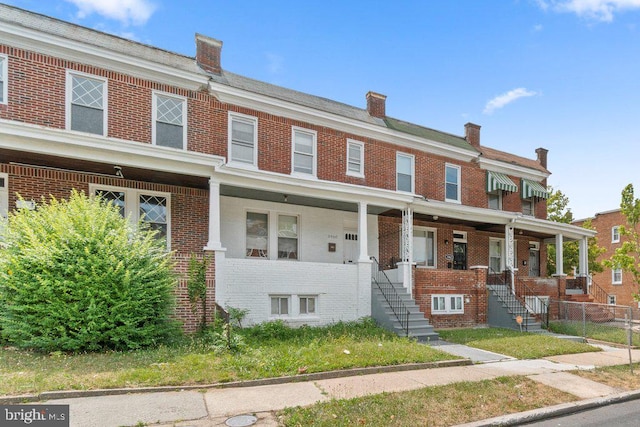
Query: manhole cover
x=241 y=421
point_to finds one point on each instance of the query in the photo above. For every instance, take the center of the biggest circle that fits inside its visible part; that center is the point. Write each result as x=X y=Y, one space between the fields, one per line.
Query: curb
x=70 y=394
x=554 y=411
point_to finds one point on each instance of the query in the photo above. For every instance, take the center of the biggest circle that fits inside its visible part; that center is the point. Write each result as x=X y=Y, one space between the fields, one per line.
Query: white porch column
x=509 y=242
x=583 y=257
x=362 y=233
x=404 y=267
x=214 y=243
x=559 y=255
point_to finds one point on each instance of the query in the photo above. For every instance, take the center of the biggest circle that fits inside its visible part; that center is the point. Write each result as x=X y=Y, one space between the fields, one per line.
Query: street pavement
x=247 y=402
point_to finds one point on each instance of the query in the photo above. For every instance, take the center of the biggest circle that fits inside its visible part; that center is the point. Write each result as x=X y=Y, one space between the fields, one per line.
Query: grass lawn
x=596 y=331
x=270 y=350
x=521 y=345
x=615 y=376
x=431 y=406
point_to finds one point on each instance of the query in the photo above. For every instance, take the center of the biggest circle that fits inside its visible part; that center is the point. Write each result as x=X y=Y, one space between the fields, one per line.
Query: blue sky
x=559 y=74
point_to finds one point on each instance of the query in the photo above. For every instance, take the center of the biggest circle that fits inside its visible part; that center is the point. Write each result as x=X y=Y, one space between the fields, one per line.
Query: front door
x=459 y=256
x=534 y=263
x=350 y=246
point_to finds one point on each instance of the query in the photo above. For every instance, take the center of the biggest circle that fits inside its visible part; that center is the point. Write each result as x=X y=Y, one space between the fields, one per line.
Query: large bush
x=76 y=276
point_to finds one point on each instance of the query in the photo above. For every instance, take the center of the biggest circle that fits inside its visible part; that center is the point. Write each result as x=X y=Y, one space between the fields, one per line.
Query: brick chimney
x=472 y=134
x=208 y=52
x=542 y=156
x=376 y=104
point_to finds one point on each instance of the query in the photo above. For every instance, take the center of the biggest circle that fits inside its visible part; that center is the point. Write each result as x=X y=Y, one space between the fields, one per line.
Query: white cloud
x=506 y=98
x=537 y=28
x=275 y=63
x=600 y=10
x=135 y=12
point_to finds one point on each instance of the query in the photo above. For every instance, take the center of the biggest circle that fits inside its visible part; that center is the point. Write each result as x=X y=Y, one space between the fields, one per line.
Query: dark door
x=459 y=256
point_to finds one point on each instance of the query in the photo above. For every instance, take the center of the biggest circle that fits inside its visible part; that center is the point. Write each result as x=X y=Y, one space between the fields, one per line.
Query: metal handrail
x=599 y=295
x=399 y=309
x=523 y=292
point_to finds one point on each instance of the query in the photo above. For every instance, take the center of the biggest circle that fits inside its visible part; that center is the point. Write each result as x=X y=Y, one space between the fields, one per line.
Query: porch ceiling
x=105 y=168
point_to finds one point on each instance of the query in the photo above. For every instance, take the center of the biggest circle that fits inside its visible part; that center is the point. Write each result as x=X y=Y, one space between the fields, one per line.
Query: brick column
x=481 y=299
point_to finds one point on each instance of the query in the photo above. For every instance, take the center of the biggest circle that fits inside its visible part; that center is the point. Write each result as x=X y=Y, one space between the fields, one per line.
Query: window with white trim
x=615 y=234
x=612 y=300
x=452 y=183
x=616 y=276
x=528 y=207
x=304 y=151
x=257 y=235
x=279 y=305
x=243 y=139
x=447 y=304
x=495 y=200
x=287 y=237
x=4 y=79
x=405 y=167
x=169 y=120
x=497 y=258
x=86 y=103
x=4 y=195
x=308 y=305
x=153 y=208
x=424 y=246
x=355 y=158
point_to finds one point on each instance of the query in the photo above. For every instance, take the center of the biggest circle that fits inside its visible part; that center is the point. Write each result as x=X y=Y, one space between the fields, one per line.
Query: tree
x=558 y=211
x=627 y=256
x=77 y=276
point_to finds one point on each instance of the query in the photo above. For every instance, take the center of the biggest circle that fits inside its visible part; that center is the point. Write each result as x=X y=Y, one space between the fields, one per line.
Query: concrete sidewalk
x=213 y=407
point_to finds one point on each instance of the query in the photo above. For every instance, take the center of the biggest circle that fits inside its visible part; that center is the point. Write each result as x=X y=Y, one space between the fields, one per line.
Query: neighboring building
x=619 y=286
x=289 y=194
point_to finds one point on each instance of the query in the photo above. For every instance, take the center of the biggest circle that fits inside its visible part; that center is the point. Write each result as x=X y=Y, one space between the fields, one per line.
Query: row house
x=295 y=199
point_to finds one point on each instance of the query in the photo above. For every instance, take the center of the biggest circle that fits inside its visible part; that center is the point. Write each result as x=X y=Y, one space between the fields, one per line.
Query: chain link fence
x=609 y=323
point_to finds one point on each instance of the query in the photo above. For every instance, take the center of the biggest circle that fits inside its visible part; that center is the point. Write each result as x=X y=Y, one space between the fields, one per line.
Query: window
x=308 y=305
x=447 y=304
x=495 y=256
x=424 y=247
x=4 y=195
x=452 y=183
x=528 y=207
x=405 y=164
x=151 y=207
x=243 y=139
x=615 y=234
x=257 y=235
x=86 y=104
x=279 y=305
x=537 y=304
x=304 y=151
x=616 y=276
x=495 y=200
x=287 y=237
x=4 y=84
x=169 y=121
x=612 y=300
x=355 y=158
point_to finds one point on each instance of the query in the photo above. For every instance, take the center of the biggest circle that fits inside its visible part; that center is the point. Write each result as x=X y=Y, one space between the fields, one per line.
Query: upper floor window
x=4 y=195
x=495 y=199
x=304 y=151
x=86 y=103
x=151 y=207
x=355 y=158
x=452 y=183
x=528 y=207
x=243 y=139
x=405 y=166
x=615 y=234
x=3 y=79
x=616 y=276
x=169 y=120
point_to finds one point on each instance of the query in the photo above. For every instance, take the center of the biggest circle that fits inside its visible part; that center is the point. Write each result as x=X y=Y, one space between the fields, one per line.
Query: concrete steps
x=511 y=308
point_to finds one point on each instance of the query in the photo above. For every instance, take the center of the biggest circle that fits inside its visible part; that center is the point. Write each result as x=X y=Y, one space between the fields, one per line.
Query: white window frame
x=354 y=143
x=278 y=236
x=533 y=206
x=616 y=272
x=498 y=194
x=4 y=72
x=306 y=309
x=154 y=115
x=615 y=234
x=412 y=159
x=503 y=253
x=450 y=307
x=458 y=182
x=280 y=297
x=435 y=245
x=69 y=96
x=132 y=203
x=314 y=152
x=268 y=251
x=4 y=195
x=613 y=300
x=233 y=116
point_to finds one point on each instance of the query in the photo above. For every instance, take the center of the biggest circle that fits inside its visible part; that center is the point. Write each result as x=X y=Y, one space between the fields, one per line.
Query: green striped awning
x=533 y=189
x=500 y=181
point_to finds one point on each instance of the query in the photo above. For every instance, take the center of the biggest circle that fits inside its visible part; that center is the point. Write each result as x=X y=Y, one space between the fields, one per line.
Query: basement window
x=447 y=304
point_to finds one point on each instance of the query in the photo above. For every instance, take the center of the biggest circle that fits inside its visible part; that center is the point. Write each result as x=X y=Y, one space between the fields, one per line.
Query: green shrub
x=76 y=276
